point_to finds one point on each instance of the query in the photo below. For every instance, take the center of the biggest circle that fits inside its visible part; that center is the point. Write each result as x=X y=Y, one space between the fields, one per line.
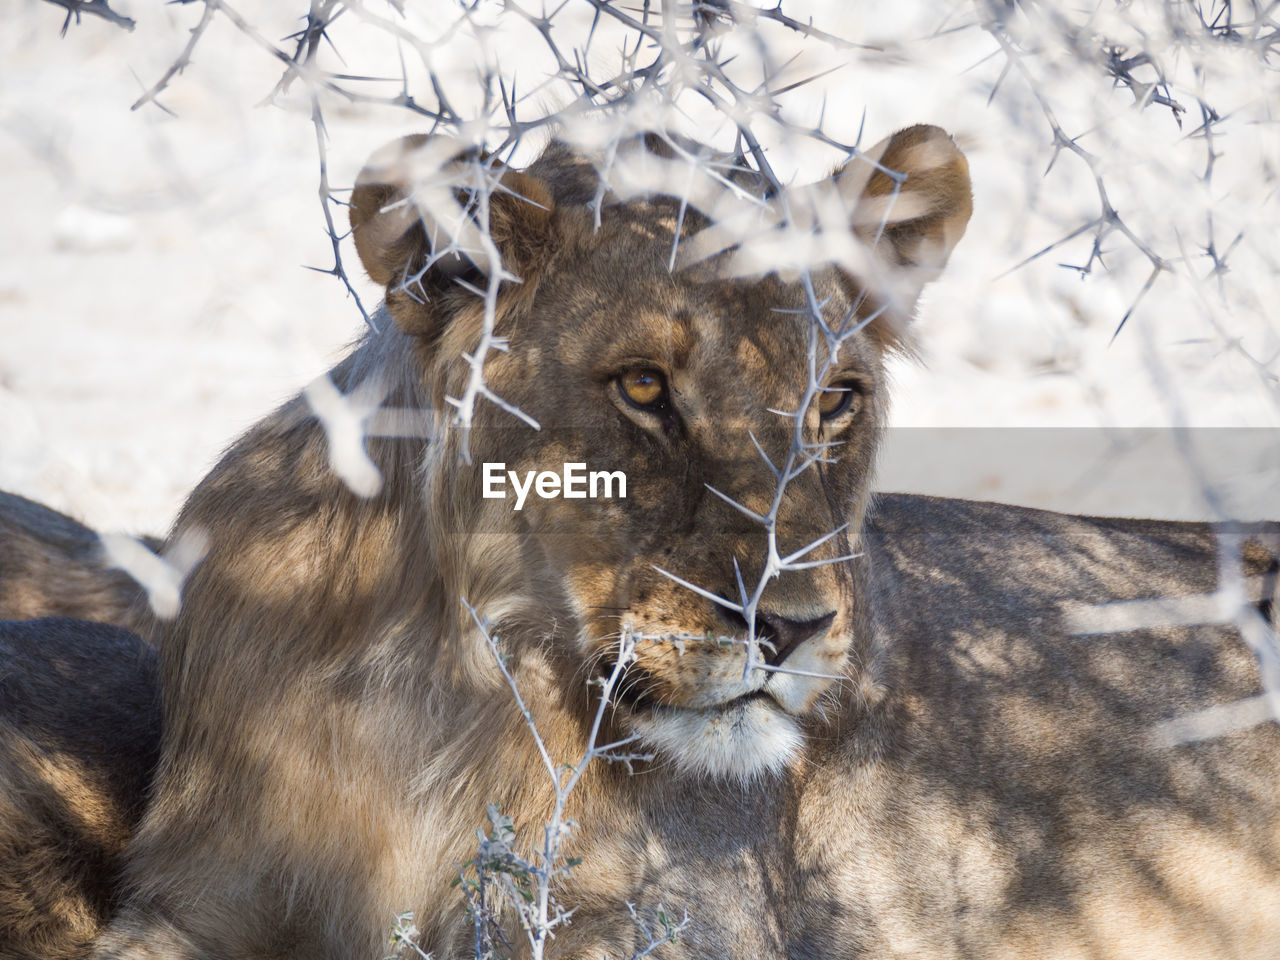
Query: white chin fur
x=741 y=742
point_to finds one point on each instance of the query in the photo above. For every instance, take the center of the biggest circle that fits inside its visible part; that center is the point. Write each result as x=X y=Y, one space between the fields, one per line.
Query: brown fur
x=980 y=783
x=79 y=738
x=53 y=566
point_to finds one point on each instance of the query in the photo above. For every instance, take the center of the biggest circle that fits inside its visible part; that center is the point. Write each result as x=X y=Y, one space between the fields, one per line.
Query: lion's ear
x=413 y=219
x=914 y=220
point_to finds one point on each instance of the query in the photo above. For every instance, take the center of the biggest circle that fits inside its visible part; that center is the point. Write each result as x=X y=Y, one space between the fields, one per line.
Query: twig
x=95 y=8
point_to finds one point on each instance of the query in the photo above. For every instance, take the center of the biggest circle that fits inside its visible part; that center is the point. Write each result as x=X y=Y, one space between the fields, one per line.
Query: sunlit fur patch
x=741 y=741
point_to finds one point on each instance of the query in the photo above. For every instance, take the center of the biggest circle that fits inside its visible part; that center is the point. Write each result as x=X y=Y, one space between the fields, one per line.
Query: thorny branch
x=181 y=63
x=528 y=885
x=1248 y=25
x=95 y=8
x=1108 y=219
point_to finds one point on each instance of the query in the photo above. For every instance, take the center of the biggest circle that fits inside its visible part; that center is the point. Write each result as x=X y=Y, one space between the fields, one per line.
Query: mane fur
x=361 y=679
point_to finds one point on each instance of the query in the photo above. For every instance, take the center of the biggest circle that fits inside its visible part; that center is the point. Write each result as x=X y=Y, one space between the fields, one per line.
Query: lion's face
x=673 y=381
x=683 y=381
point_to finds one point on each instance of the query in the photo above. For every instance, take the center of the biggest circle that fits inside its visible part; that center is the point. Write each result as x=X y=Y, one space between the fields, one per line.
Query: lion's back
x=52 y=565
x=1054 y=784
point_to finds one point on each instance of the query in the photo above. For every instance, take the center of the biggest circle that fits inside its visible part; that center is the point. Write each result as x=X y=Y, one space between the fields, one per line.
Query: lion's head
x=641 y=337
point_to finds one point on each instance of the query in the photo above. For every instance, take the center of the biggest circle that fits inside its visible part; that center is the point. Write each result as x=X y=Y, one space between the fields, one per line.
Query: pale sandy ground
x=153 y=300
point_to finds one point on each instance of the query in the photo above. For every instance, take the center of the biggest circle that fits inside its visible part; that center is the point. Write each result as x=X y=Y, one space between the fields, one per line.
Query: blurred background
x=155 y=296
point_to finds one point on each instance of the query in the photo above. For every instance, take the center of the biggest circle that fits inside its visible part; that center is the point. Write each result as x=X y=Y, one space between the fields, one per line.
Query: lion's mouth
x=760 y=694
x=740 y=738
x=638 y=698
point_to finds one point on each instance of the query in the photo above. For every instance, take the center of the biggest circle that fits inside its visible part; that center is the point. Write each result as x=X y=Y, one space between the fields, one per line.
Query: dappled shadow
x=1008 y=798
x=79 y=739
x=1001 y=795
x=52 y=566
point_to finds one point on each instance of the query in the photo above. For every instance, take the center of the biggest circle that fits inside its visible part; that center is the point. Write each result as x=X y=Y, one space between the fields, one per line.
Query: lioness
x=927 y=761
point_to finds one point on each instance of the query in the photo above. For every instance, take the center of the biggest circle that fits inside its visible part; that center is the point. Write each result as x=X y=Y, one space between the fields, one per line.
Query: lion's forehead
x=613 y=291
x=753 y=333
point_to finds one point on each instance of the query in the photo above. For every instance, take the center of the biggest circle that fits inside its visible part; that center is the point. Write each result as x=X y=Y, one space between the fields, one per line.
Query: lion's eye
x=836 y=399
x=643 y=389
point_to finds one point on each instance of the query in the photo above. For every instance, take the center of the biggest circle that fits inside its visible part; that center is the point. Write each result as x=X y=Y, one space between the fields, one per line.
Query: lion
x=54 y=566
x=922 y=746
x=79 y=740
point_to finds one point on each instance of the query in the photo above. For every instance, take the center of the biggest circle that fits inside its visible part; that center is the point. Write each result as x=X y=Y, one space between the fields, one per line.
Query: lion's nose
x=785 y=635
